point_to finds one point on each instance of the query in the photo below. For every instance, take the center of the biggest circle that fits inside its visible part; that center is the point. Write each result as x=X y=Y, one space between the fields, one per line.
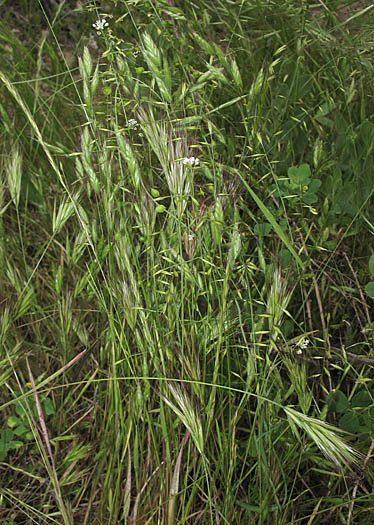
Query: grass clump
x=186 y=203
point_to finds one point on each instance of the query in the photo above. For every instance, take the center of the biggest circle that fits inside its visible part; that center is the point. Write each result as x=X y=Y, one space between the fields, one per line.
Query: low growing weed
x=19 y=431
x=355 y=415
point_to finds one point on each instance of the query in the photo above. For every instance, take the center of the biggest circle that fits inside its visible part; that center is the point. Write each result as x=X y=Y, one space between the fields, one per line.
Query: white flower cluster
x=132 y=123
x=302 y=344
x=100 y=24
x=193 y=161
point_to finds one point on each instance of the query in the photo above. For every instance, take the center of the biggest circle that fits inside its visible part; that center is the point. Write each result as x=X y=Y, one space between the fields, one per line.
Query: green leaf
x=13 y=421
x=368 y=425
x=250 y=508
x=337 y=401
x=48 y=408
x=300 y=175
x=371 y=265
x=350 y=422
x=228 y=103
x=21 y=430
x=287 y=328
x=256 y=508
x=310 y=198
x=361 y=399
x=285 y=258
x=6 y=438
x=7 y=443
x=369 y=289
x=314 y=185
x=302 y=85
x=262 y=229
x=21 y=408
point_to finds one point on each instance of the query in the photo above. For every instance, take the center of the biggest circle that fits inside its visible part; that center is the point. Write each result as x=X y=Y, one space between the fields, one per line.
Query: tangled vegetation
x=186 y=262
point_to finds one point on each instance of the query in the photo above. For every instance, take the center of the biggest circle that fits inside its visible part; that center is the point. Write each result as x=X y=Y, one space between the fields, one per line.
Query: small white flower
x=302 y=344
x=100 y=24
x=193 y=161
x=190 y=237
x=132 y=123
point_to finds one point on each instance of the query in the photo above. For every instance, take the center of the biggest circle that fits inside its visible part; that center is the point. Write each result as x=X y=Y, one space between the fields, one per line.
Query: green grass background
x=176 y=340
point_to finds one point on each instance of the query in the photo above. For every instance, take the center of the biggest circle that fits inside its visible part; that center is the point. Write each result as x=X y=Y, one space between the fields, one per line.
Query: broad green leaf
x=21 y=430
x=285 y=257
x=361 y=399
x=262 y=229
x=371 y=265
x=350 y=422
x=13 y=421
x=314 y=185
x=369 y=289
x=48 y=408
x=310 y=198
x=337 y=401
x=300 y=174
x=6 y=437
